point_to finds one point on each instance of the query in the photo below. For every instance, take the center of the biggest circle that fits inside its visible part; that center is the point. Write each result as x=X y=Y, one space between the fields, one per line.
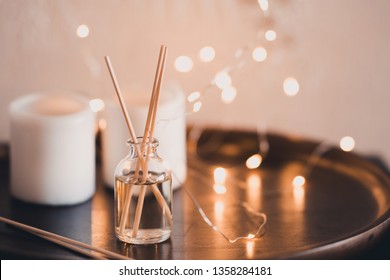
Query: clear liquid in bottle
x=155 y=222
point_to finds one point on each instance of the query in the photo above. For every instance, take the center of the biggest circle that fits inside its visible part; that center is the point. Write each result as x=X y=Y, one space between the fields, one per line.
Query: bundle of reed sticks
x=143 y=151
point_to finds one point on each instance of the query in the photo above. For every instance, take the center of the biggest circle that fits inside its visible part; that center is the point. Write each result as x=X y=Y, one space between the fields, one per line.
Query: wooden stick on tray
x=74 y=245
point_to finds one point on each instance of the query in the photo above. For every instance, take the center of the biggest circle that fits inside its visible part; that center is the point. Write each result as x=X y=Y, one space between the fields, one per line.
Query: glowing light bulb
x=270 y=35
x=347 y=143
x=251 y=236
x=259 y=54
x=223 y=80
x=219 y=175
x=228 y=94
x=254 y=161
x=196 y=107
x=291 y=86
x=193 y=96
x=298 y=181
x=207 y=54
x=183 y=64
x=96 y=105
x=263 y=4
x=82 y=31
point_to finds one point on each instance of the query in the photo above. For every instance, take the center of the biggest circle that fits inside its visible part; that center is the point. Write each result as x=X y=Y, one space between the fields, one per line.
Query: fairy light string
x=261 y=217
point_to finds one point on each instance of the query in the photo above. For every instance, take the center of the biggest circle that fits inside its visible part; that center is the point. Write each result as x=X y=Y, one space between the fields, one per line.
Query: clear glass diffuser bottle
x=143 y=195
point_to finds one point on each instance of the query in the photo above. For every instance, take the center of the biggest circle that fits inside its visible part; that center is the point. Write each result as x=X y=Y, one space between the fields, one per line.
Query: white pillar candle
x=170 y=130
x=52 y=148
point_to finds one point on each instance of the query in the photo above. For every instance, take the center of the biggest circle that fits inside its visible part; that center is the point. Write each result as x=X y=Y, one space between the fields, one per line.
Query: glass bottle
x=143 y=195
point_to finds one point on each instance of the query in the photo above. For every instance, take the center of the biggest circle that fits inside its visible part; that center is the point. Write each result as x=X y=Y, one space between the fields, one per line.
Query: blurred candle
x=52 y=148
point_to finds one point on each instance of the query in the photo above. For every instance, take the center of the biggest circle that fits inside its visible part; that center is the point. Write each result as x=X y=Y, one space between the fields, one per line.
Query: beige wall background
x=337 y=50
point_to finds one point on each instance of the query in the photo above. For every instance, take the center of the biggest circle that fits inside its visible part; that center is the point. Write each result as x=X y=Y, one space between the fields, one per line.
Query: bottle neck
x=147 y=147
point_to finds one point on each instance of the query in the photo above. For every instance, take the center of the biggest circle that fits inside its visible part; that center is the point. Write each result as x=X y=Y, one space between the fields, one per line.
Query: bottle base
x=144 y=236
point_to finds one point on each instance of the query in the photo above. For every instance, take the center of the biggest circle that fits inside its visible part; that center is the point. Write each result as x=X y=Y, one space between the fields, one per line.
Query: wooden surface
x=341 y=212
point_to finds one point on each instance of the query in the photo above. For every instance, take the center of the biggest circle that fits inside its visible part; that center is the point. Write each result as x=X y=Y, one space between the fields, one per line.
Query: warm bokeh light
x=253 y=181
x=82 y=31
x=270 y=35
x=96 y=105
x=259 y=54
x=183 y=64
x=298 y=181
x=250 y=249
x=254 y=190
x=254 y=161
x=219 y=188
x=291 y=86
x=207 y=54
x=218 y=210
x=264 y=5
x=228 y=94
x=219 y=175
x=193 y=96
x=102 y=124
x=299 y=191
x=347 y=143
x=196 y=107
x=223 y=80
x=299 y=197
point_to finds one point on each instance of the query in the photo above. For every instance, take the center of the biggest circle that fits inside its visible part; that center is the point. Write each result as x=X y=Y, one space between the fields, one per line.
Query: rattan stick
x=149 y=124
x=156 y=191
x=149 y=128
x=65 y=240
x=77 y=249
x=163 y=203
x=120 y=98
x=146 y=137
x=140 y=162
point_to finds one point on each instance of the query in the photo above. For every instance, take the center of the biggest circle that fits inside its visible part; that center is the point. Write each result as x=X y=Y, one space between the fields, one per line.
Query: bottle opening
x=152 y=142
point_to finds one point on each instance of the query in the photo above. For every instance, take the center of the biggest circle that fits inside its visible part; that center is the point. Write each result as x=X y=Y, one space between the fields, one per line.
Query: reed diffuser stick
x=148 y=136
x=133 y=136
x=155 y=190
x=120 y=98
x=150 y=113
x=149 y=127
x=63 y=241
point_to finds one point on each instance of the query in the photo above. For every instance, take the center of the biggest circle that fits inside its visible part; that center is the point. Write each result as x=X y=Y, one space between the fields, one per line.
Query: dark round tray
x=340 y=212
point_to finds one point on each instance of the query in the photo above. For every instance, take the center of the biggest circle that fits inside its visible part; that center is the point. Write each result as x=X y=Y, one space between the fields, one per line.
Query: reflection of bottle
x=143 y=196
